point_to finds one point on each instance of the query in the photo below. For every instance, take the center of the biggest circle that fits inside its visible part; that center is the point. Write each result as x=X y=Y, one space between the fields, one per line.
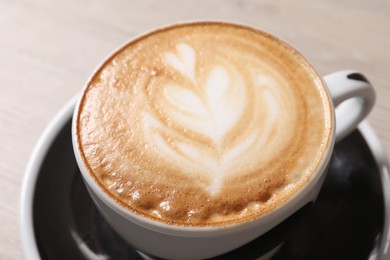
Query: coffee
x=204 y=124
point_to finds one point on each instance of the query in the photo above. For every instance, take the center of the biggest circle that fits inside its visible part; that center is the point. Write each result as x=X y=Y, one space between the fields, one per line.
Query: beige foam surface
x=204 y=124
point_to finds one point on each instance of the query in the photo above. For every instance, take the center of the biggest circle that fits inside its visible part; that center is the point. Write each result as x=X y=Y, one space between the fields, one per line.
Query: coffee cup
x=196 y=138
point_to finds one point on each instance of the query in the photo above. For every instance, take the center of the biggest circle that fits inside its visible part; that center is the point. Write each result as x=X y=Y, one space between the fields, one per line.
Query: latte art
x=219 y=122
x=203 y=124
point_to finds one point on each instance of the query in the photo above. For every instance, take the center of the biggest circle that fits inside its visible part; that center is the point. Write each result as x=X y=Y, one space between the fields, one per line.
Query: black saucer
x=346 y=221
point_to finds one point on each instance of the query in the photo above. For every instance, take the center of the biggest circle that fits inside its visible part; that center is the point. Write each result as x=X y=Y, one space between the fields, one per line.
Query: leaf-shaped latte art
x=211 y=107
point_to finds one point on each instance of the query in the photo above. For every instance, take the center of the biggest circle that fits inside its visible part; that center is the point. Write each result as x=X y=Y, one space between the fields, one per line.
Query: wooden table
x=48 y=49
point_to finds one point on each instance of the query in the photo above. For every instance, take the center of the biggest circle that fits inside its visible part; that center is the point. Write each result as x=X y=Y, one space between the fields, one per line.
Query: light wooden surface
x=49 y=48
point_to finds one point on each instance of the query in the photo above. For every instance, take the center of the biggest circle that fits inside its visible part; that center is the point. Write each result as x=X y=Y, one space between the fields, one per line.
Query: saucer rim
x=27 y=234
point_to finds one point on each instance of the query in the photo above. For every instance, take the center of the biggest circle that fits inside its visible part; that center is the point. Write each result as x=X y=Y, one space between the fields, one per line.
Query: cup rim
x=210 y=230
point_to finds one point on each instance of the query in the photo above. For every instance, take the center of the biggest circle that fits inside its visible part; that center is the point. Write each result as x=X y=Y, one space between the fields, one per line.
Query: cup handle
x=353 y=98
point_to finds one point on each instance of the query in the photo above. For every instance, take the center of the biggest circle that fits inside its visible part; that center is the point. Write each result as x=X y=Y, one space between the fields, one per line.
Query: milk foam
x=211 y=108
x=203 y=124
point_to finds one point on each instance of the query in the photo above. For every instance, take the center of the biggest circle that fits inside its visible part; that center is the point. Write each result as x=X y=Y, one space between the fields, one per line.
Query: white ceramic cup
x=353 y=98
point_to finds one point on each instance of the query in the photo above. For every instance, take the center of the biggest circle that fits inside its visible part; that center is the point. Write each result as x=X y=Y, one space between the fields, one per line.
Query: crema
x=204 y=124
